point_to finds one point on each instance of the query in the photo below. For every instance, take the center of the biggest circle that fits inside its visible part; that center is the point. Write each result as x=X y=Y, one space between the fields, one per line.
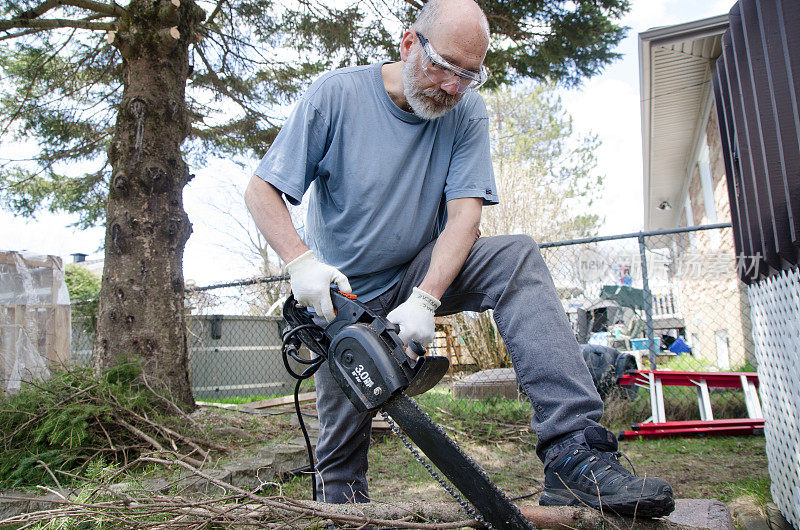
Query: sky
x=607 y=105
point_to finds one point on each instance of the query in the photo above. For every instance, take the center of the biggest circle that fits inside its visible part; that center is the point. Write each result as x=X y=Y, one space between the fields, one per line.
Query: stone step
x=702 y=514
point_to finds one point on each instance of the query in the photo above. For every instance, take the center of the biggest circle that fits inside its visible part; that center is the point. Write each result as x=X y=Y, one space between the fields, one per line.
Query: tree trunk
x=141 y=311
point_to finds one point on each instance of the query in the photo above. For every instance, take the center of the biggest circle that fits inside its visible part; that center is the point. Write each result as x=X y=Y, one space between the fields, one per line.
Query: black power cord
x=313 y=337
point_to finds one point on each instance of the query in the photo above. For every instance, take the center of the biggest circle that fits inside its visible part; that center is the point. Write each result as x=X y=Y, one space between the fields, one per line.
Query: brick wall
x=714 y=303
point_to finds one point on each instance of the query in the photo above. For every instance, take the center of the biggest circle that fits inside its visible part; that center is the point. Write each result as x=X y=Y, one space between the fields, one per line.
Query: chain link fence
x=666 y=300
x=670 y=300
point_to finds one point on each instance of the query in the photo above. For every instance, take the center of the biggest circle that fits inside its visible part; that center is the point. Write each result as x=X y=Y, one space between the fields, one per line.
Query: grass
x=759 y=488
x=496 y=432
x=497 y=435
x=719 y=467
x=722 y=467
x=305 y=386
x=238 y=400
x=680 y=404
x=473 y=414
x=395 y=475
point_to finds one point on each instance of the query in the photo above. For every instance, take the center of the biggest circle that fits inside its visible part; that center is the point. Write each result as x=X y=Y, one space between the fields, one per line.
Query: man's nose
x=451 y=87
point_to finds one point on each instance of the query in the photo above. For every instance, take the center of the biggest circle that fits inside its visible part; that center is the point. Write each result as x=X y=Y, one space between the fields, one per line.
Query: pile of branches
x=100 y=505
x=53 y=430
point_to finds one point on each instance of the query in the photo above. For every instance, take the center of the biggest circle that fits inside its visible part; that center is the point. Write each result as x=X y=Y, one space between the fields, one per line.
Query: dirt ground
x=715 y=467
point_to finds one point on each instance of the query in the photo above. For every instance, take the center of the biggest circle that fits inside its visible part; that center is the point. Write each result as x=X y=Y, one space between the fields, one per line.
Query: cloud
x=610 y=109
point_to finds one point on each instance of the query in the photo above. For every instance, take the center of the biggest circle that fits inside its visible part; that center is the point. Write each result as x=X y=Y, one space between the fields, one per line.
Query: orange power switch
x=348 y=295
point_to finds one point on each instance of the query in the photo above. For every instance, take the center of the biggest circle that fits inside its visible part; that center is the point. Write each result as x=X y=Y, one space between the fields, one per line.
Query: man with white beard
x=397 y=159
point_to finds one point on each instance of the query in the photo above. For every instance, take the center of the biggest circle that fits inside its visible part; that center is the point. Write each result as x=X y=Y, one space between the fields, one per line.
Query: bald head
x=461 y=21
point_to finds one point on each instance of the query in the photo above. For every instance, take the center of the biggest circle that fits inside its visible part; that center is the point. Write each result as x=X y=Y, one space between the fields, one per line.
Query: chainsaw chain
x=446 y=485
x=442 y=482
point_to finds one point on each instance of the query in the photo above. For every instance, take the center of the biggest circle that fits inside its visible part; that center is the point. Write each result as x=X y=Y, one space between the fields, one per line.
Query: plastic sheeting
x=34 y=317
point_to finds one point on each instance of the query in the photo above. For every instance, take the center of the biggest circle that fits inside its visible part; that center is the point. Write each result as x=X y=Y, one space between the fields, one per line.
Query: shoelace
x=612 y=457
x=618 y=454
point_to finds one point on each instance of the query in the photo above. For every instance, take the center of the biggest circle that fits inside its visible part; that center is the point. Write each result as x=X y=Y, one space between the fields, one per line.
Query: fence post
x=648 y=305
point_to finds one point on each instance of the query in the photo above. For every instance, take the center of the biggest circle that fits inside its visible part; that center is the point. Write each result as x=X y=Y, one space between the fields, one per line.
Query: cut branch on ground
x=63 y=425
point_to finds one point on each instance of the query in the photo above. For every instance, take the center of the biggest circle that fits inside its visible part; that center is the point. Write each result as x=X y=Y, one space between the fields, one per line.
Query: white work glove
x=311 y=283
x=415 y=317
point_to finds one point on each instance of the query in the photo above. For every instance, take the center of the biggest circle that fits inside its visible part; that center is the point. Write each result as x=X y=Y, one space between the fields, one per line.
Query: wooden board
x=307 y=397
x=380 y=424
x=280 y=401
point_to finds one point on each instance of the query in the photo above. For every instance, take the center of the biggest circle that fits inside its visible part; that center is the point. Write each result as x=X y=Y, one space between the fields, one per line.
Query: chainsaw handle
x=340 y=299
x=418 y=349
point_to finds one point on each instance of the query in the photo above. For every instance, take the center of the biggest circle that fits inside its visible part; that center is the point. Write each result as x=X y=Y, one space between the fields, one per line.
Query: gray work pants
x=504 y=273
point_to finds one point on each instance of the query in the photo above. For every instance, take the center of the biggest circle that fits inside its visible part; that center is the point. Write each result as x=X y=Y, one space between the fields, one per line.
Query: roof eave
x=695 y=29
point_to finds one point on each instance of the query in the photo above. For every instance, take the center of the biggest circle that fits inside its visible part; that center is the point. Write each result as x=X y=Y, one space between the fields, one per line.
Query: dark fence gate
x=757 y=92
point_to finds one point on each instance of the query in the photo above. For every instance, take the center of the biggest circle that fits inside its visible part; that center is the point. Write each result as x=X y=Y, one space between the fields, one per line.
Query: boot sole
x=655 y=506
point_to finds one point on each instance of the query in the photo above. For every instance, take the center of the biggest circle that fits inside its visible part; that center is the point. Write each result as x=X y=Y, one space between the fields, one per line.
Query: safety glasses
x=442 y=72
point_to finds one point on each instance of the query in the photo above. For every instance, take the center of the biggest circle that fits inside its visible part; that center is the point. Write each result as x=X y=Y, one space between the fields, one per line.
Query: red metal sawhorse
x=658 y=426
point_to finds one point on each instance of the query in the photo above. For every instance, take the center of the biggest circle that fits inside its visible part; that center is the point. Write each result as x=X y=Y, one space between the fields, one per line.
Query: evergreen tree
x=137 y=88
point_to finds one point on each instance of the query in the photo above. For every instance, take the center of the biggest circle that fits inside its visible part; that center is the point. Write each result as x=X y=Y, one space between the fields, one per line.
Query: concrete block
x=286 y=457
x=497 y=382
x=191 y=483
x=776 y=519
x=299 y=440
x=15 y=502
x=312 y=424
x=233 y=432
x=250 y=473
x=702 y=514
x=157 y=485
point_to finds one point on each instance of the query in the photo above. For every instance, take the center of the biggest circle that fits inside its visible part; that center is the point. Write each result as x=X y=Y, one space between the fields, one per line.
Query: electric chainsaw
x=368 y=361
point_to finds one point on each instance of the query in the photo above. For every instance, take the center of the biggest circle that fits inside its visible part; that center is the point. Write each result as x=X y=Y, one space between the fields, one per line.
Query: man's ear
x=409 y=37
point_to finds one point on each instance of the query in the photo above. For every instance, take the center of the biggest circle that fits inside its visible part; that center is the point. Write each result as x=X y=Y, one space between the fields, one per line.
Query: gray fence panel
x=229 y=356
x=233 y=356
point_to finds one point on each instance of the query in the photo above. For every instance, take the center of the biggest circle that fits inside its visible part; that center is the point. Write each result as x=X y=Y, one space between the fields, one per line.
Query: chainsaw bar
x=494 y=508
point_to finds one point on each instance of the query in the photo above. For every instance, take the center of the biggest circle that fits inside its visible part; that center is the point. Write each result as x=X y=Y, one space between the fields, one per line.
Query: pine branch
x=112 y=10
x=214 y=13
x=91 y=17
x=175 y=408
x=21 y=34
x=217 y=82
x=226 y=42
x=38 y=11
x=55 y=23
x=30 y=86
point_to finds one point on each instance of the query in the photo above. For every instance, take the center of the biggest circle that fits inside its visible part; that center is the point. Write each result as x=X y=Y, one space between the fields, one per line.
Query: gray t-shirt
x=379 y=176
